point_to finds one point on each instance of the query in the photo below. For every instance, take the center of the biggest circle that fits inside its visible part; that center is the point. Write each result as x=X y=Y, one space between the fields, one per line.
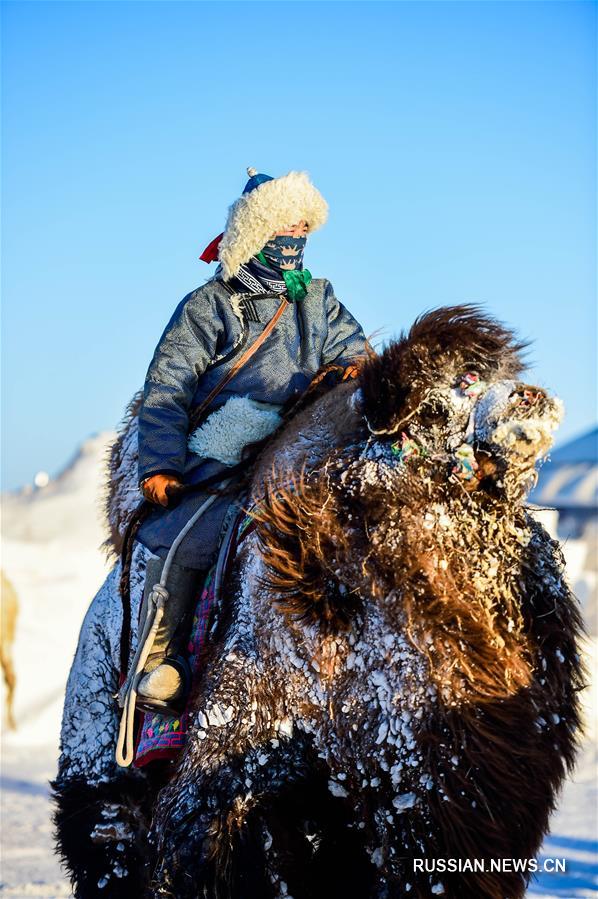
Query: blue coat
x=199 y=345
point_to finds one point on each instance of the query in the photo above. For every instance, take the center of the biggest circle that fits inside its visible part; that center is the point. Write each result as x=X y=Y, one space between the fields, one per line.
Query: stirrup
x=172 y=707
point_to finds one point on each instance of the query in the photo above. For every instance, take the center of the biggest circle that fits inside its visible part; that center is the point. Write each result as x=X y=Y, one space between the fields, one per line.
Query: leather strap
x=241 y=361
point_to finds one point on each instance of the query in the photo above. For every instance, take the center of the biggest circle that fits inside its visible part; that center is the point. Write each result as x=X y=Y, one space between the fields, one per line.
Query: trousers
x=200 y=546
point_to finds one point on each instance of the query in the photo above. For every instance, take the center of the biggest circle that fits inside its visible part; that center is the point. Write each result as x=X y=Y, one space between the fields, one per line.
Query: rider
x=260 y=256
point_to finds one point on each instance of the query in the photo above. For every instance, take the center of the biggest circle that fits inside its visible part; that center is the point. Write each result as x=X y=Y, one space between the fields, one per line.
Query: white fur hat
x=266 y=206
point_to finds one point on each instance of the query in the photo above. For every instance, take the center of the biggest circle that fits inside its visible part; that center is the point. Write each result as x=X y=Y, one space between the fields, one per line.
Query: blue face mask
x=285 y=254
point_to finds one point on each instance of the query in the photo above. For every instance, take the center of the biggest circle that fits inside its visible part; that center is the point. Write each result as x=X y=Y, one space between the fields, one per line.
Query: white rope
x=127 y=695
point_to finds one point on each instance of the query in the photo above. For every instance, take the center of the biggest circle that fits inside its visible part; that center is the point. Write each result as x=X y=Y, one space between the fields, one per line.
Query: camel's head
x=450 y=390
x=417 y=514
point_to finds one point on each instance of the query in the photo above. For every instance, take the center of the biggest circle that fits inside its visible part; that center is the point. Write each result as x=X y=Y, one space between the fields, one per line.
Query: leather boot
x=166 y=677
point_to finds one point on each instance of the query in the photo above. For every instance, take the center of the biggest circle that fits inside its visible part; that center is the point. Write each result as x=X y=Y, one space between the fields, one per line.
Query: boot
x=166 y=677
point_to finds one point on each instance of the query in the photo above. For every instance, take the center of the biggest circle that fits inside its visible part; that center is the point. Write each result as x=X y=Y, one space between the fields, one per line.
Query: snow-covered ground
x=50 y=553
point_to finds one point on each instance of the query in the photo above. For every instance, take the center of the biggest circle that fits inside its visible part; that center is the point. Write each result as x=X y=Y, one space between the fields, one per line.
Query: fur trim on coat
x=273 y=206
x=227 y=431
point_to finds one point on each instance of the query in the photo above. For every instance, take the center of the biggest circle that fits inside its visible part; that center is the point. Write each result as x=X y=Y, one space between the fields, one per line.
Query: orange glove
x=161 y=488
x=350 y=373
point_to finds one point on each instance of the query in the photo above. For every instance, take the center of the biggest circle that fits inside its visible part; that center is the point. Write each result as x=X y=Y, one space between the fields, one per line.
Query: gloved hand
x=162 y=489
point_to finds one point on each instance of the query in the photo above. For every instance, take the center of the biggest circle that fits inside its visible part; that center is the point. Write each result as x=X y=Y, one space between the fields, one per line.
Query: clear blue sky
x=455 y=143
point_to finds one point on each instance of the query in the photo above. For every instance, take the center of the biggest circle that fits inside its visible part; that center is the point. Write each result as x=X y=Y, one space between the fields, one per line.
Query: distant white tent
x=568 y=482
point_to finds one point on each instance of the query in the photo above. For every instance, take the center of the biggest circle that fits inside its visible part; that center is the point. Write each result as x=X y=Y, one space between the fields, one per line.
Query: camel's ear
x=299 y=542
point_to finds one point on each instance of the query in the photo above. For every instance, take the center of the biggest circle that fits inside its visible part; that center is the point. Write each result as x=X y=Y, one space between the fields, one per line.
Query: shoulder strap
x=236 y=368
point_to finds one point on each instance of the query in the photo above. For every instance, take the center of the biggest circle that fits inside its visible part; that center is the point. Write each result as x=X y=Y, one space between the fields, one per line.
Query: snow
x=405 y=801
x=574 y=830
x=50 y=552
x=51 y=540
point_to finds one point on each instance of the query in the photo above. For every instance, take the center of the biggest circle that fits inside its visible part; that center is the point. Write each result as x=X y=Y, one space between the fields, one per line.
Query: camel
x=9 y=608
x=393 y=674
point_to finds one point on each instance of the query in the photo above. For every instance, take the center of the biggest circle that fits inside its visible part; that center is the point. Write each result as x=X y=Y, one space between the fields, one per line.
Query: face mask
x=285 y=254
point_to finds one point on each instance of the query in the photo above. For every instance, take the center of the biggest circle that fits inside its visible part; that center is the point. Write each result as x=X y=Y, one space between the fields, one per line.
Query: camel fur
x=394 y=673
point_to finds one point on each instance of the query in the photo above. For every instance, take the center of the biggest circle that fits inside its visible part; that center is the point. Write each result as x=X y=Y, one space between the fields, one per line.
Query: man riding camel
x=242 y=346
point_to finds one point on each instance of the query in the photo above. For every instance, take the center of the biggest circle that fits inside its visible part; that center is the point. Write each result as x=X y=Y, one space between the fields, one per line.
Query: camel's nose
x=517 y=417
x=527 y=395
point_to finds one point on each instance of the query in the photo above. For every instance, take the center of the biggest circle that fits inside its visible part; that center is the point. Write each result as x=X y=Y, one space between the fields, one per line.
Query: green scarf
x=296 y=281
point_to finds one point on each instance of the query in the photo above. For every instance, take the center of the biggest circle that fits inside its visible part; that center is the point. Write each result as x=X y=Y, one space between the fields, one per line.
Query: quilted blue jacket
x=202 y=341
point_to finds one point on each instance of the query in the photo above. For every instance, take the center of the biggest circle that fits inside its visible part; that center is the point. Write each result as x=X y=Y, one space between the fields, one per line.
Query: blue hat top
x=255 y=179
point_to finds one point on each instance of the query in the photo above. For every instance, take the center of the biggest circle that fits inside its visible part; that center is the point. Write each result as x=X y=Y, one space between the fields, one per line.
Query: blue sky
x=454 y=142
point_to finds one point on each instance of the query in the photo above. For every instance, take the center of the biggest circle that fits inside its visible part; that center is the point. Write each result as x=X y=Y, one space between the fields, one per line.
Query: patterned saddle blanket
x=162 y=736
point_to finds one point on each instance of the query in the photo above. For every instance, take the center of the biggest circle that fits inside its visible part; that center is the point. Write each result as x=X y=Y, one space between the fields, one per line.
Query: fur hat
x=268 y=205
